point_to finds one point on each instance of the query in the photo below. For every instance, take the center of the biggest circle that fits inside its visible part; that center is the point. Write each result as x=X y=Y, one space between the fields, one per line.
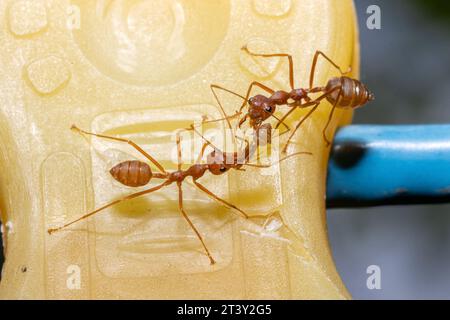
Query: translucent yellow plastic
x=141 y=69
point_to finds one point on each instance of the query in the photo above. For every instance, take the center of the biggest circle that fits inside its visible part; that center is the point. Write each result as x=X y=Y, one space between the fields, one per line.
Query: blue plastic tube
x=383 y=165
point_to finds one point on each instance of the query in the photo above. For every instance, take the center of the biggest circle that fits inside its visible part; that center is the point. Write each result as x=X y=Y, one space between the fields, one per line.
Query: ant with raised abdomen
x=135 y=173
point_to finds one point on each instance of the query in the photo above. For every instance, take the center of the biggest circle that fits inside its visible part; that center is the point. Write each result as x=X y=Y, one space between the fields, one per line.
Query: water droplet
x=272 y=8
x=27 y=17
x=261 y=67
x=46 y=75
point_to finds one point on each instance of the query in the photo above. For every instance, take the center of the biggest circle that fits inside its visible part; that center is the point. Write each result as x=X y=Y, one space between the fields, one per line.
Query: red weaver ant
x=343 y=92
x=135 y=173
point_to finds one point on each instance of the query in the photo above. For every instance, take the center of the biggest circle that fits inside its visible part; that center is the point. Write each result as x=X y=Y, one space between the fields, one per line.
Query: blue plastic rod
x=384 y=165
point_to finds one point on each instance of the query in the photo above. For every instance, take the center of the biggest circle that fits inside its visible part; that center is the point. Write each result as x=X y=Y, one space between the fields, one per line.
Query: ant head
x=216 y=163
x=261 y=107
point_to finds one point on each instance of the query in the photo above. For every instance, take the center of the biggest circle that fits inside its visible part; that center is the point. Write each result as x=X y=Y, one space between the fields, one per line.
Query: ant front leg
x=205 y=144
x=299 y=125
x=272 y=55
x=134 y=145
x=217 y=198
x=314 y=64
x=279 y=161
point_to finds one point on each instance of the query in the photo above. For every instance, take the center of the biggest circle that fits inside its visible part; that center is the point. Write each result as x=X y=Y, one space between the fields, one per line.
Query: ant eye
x=250 y=101
x=222 y=169
x=268 y=109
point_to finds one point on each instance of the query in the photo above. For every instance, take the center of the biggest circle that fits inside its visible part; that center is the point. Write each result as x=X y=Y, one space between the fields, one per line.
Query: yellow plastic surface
x=141 y=69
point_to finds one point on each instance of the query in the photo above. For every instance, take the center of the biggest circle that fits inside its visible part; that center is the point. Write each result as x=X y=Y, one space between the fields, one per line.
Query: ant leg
x=279 y=161
x=249 y=90
x=313 y=67
x=280 y=121
x=202 y=152
x=248 y=152
x=314 y=103
x=226 y=203
x=203 y=137
x=185 y=216
x=215 y=86
x=329 y=119
x=291 y=63
x=129 y=197
x=298 y=126
x=284 y=117
x=134 y=145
